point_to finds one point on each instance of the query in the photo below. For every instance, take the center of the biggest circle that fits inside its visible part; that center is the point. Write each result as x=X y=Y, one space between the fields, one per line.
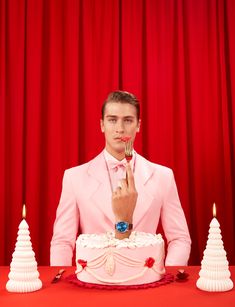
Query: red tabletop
x=66 y=294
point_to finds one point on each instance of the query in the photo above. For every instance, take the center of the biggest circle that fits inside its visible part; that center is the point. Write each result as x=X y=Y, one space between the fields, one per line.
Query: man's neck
x=117 y=155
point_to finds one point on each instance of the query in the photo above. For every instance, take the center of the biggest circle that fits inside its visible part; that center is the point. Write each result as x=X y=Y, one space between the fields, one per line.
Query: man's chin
x=118 y=149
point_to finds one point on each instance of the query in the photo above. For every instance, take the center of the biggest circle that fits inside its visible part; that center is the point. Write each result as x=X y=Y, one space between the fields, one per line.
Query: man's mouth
x=125 y=139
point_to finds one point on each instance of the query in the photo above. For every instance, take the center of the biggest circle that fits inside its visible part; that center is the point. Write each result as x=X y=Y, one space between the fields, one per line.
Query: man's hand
x=124 y=201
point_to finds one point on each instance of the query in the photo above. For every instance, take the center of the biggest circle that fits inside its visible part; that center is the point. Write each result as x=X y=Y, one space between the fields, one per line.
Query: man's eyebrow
x=115 y=116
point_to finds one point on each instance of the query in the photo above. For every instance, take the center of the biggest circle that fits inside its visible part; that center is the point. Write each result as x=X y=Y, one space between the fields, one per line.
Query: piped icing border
x=108 y=260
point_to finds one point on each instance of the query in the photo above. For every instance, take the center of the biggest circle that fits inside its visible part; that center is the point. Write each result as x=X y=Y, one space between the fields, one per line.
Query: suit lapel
x=102 y=195
x=143 y=172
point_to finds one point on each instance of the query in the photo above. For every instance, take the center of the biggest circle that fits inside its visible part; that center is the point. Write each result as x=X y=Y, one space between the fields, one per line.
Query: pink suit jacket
x=85 y=207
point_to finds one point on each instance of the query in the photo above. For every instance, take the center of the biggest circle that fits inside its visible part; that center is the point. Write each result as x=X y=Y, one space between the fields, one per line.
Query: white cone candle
x=214 y=273
x=23 y=276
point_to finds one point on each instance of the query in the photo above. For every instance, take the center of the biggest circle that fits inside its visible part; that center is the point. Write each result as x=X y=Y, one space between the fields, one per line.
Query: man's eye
x=112 y=120
x=128 y=120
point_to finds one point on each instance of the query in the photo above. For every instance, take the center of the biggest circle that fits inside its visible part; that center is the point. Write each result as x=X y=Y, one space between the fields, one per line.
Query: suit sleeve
x=175 y=227
x=65 y=226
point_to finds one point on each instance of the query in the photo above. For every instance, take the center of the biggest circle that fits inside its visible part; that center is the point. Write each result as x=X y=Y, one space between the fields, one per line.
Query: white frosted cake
x=102 y=259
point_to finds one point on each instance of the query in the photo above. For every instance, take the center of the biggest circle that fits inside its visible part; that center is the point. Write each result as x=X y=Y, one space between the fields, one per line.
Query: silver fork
x=58 y=276
x=128 y=150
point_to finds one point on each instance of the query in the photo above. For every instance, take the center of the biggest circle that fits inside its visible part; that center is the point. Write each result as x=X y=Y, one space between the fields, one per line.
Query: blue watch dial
x=122 y=226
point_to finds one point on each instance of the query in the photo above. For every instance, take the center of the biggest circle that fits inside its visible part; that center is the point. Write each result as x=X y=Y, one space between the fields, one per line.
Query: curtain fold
x=60 y=59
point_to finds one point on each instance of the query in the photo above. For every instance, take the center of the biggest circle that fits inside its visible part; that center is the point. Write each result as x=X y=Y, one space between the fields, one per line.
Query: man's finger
x=123 y=184
x=130 y=177
x=117 y=192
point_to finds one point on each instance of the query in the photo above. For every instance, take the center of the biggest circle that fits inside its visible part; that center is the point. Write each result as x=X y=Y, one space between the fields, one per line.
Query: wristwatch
x=123 y=227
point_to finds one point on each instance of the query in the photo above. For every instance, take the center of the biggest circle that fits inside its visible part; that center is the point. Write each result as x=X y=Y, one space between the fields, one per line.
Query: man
x=98 y=195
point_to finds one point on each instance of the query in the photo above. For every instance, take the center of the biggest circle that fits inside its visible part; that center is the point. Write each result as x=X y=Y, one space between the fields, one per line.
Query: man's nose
x=119 y=126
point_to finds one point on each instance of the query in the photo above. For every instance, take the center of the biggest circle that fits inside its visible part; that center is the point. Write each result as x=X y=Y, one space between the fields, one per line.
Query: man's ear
x=102 y=125
x=138 y=126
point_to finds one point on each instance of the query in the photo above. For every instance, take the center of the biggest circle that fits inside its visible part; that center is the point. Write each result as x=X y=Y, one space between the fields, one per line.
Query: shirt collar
x=109 y=157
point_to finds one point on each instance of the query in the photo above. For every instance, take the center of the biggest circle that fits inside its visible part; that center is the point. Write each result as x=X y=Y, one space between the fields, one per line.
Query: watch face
x=122 y=226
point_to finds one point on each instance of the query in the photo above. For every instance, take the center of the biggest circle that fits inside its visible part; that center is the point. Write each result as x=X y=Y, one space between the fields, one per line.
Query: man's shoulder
x=82 y=167
x=78 y=168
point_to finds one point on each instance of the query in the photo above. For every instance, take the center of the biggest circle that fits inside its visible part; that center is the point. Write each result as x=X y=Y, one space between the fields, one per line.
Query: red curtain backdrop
x=59 y=60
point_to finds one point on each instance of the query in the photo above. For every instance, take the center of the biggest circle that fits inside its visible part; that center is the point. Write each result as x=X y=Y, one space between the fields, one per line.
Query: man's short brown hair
x=122 y=97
